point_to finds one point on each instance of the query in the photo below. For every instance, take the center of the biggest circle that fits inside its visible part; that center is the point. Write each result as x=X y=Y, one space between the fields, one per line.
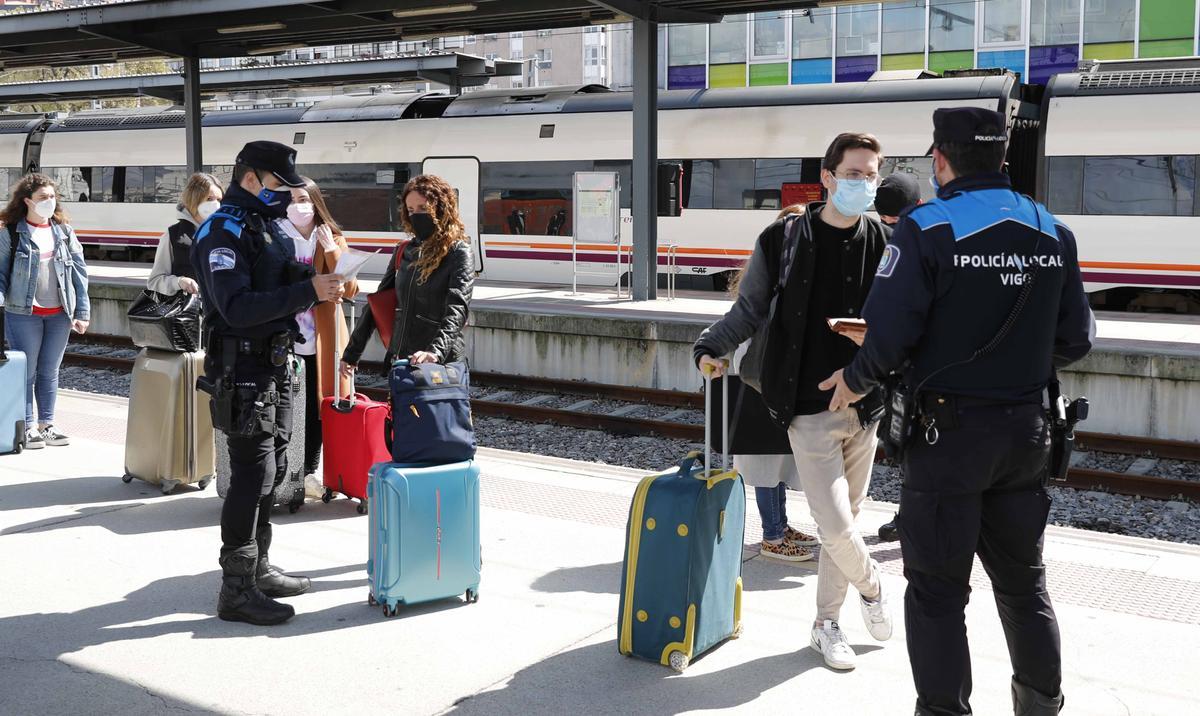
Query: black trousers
x=312 y=417
x=979 y=490
x=257 y=464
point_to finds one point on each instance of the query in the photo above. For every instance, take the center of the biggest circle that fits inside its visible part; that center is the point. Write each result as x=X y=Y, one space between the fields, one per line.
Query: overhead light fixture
x=260 y=27
x=276 y=49
x=436 y=10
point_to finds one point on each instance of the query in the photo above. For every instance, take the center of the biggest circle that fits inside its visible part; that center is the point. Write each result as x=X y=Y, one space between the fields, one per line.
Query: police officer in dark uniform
x=976 y=301
x=252 y=287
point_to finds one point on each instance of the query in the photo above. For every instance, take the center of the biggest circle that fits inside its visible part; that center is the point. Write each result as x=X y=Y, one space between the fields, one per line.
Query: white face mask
x=45 y=208
x=300 y=214
x=207 y=209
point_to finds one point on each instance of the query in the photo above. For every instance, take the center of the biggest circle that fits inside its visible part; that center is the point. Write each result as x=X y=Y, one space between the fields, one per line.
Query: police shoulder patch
x=221 y=259
x=887 y=262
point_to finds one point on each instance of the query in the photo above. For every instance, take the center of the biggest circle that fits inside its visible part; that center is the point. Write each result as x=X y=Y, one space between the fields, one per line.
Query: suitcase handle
x=708 y=378
x=337 y=358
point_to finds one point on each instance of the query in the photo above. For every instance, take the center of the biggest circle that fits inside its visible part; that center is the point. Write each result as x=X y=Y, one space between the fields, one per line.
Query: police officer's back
x=976 y=300
x=252 y=288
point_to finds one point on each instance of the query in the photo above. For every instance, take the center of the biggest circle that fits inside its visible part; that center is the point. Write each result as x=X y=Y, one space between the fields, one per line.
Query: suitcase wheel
x=327 y=496
x=472 y=596
x=679 y=661
x=168 y=486
x=203 y=483
x=390 y=612
x=371 y=600
x=127 y=478
x=292 y=507
x=737 y=632
x=362 y=507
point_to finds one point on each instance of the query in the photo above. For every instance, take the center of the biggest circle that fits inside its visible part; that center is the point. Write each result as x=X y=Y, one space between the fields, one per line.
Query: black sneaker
x=33 y=440
x=52 y=436
x=888 y=532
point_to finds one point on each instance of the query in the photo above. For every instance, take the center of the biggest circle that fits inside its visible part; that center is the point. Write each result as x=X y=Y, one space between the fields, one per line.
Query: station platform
x=1143 y=377
x=109 y=597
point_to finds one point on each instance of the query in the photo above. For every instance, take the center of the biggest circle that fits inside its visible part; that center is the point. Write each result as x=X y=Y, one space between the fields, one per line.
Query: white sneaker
x=876 y=614
x=33 y=440
x=53 y=436
x=829 y=640
x=314 y=489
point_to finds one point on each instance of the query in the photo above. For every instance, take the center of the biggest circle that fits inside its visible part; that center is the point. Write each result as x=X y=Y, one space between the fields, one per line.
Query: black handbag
x=167 y=323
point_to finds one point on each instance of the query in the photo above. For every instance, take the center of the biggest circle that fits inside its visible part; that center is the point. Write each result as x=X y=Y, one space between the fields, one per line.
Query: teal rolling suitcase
x=681 y=585
x=12 y=395
x=423 y=528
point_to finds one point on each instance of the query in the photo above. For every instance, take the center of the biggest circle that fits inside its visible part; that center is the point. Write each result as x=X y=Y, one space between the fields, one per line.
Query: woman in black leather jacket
x=433 y=285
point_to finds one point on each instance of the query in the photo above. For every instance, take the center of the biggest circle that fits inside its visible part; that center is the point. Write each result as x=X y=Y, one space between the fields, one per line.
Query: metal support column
x=191 y=106
x=644 y=279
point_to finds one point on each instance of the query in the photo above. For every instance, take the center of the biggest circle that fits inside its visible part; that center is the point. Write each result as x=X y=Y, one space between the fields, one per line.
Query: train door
x=462 y=173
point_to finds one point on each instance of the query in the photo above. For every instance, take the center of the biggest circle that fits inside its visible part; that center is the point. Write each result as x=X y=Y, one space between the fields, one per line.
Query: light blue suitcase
x=12 y=395
x=681 y=584
x=424 y=534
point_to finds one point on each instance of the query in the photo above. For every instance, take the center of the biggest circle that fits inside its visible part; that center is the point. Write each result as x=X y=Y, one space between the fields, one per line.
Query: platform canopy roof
x=118 y=32
x=451 y=69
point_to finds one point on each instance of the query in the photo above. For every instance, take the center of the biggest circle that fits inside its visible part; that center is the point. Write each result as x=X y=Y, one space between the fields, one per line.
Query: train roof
x=1129 y=77
x=555 y=100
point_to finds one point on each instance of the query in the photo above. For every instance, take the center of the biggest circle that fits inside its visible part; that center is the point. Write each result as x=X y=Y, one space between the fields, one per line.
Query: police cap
x=279 y=159
x=897 y=192
x=967 y=125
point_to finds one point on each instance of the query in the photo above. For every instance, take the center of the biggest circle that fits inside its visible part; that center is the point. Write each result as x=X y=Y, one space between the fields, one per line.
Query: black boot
x=888 y=532
x=1028 y=701
x=271 y=579
x=240 y=599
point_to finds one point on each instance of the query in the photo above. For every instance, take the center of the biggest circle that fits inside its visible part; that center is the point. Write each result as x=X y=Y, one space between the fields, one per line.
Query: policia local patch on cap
x=887 y=262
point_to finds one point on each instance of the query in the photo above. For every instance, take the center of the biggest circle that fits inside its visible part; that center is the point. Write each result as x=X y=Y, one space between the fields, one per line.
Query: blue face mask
x=853 y=196
x=933 y=182
x=276 y=200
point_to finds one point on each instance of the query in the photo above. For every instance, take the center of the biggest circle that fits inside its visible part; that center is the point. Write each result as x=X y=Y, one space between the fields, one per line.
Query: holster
x=899 y=418
x=870 y=408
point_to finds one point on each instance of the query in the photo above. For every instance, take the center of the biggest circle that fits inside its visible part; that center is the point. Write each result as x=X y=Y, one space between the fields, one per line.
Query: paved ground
x=107 y=599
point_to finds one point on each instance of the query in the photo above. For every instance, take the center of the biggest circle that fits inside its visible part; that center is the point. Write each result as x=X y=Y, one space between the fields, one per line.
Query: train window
x=731 y=179
x=169 y=183
x=529 y=197
x=920 y=167
x=134 y=191
x=355 y=199
x=1139 y=186
x=769 y=177
x=697 y=184
x=1064 y=185
x=6 y=180
x=625 y=170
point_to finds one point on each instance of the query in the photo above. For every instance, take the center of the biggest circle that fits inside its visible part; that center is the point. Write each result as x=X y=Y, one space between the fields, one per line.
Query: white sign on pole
x=597 y=218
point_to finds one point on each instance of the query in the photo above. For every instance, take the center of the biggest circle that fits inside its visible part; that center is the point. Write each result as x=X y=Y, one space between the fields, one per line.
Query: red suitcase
x=353 y=438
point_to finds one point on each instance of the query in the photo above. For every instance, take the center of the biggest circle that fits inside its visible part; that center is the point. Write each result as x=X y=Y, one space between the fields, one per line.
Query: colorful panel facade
x=687 y=77
x=1108 y=51
x=1166 y=48
x=913 y=61
x=812 y=72
x=855 y=69
x=1167 y=20
x=942 y=61
x=775 y=73
x=1045 y=62
x=1013 y=60
x=727 y=75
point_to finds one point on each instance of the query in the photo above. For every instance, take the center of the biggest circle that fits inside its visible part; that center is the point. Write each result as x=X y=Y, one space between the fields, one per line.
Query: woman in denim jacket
x=44 y=291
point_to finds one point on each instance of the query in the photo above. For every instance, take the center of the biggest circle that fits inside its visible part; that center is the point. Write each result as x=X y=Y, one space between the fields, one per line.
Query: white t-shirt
x=306 y=249
x=46 y=293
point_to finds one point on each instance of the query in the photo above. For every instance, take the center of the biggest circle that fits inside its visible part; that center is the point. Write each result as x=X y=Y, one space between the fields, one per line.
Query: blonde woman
x=172 y=271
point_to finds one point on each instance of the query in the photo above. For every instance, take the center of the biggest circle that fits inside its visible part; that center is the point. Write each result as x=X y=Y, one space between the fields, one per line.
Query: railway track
x=1125 y=483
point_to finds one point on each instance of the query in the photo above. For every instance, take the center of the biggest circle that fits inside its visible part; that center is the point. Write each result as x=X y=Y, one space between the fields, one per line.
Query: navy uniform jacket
x=949 y=279
x=240 y=259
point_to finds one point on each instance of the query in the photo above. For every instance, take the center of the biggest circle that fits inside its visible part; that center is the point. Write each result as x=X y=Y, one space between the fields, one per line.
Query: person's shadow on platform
x=597 y=677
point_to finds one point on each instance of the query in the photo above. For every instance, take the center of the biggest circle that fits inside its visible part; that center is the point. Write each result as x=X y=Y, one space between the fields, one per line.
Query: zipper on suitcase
x=631 y=557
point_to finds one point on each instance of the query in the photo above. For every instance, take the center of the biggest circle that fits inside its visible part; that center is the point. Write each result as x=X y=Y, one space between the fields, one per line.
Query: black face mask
x=423 y=226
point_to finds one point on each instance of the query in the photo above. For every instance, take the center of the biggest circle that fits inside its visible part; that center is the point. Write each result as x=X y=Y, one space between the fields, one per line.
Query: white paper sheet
x=351 y=262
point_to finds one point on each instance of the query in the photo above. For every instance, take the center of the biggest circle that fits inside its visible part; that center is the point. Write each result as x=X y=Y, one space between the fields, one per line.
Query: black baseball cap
x=967 y=125
x=896 y=193
x=279 y=159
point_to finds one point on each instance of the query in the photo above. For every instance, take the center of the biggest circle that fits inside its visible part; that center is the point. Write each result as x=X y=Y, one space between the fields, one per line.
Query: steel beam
x=191 y=107
x=644 y=280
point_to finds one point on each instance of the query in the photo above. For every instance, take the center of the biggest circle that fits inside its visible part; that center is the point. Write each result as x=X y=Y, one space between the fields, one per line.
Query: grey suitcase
x=290 y=492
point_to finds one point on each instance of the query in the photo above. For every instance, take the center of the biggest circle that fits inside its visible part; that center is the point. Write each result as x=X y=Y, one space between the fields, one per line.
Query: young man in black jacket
x=804 y=271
